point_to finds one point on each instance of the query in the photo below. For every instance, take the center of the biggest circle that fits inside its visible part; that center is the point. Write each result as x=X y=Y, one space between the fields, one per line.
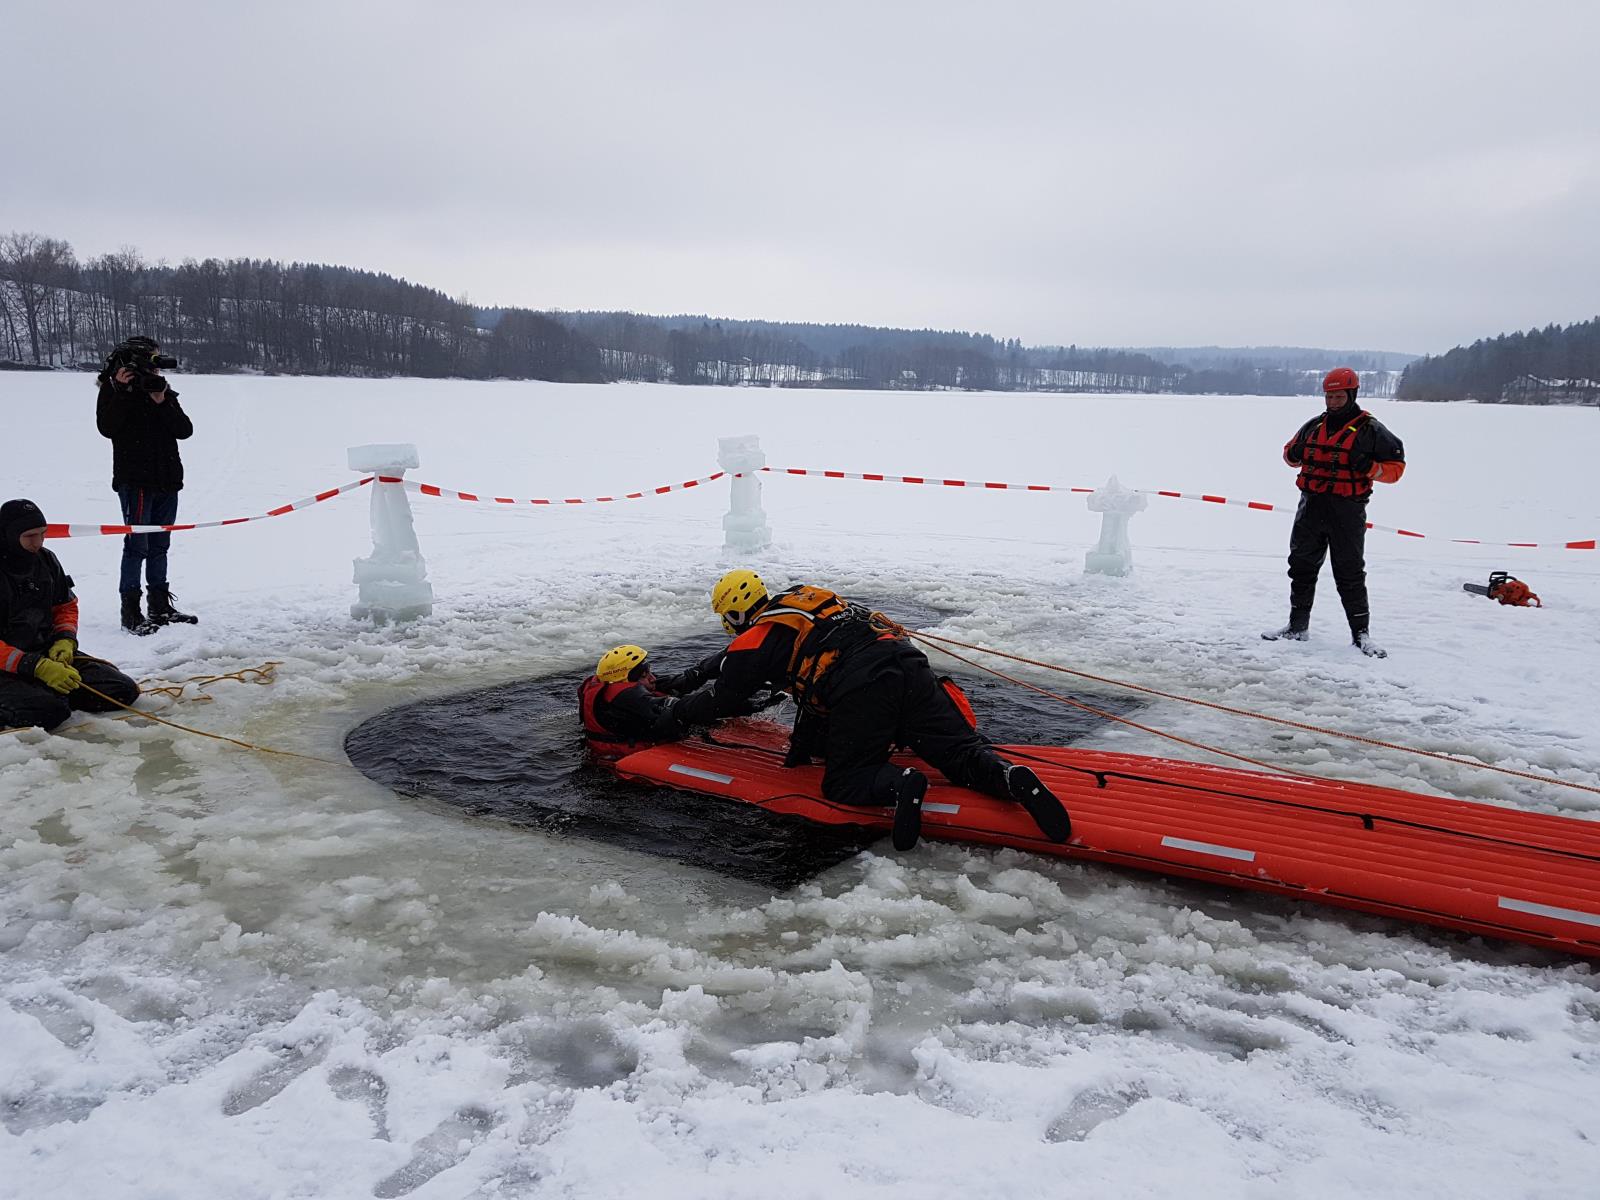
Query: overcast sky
x=1388 y=175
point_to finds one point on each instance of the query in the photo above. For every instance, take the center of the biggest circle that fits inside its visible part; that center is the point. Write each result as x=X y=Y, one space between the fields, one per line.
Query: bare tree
x=35 y=266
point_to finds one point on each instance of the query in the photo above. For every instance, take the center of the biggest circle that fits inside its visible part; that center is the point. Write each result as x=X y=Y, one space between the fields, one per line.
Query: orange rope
x=263 y=675
x=214 y=736
x=1109 y=716
x=933 y=640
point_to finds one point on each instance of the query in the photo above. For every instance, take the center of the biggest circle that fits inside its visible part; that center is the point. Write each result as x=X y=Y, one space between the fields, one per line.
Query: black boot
x=161 y=610
x=1028 y=790
x=909 y=789
x=1294 y=631
x=133 y=618
x=1362 y=641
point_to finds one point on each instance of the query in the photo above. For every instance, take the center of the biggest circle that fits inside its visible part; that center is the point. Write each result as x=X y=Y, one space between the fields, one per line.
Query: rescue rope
x=934 y=641
x=214 y=736
x=263 y=675
x=1109 y=716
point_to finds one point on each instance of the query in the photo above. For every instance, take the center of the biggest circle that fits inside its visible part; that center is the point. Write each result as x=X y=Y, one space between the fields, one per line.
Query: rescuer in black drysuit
x=862 y=690
x=43 y=678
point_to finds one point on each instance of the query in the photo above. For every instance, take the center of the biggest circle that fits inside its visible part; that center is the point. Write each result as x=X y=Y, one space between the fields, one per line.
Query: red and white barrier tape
x=1257 y=505
x=1263 y=506
x=422 y=489
x=65 y=531
x=428 y=489
x=931 y=481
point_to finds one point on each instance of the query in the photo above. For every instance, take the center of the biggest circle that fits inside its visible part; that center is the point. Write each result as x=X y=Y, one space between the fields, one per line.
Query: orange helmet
x=1340 y=379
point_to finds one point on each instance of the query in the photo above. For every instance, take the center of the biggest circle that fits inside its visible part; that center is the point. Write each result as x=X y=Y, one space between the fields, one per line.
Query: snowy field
x=232 y=976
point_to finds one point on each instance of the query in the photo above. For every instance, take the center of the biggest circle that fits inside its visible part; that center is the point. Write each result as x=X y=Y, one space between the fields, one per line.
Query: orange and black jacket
x=1341 y=453
x=37 y=608
x=809 y=642
x=620 y=717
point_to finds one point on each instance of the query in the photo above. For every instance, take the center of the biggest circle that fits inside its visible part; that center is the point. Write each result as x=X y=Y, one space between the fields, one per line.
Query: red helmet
x=1340 y=379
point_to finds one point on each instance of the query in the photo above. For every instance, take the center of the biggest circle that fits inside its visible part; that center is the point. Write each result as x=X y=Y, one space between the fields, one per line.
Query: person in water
x=625 y=705
x=863 y=689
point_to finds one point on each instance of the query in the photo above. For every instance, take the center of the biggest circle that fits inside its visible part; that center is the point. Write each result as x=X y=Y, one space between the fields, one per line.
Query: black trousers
x=902 y=704
x=1325 y=524
x=29 y=702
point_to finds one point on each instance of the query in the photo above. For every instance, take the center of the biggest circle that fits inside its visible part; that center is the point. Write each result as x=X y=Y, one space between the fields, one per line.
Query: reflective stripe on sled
x=1173 y=843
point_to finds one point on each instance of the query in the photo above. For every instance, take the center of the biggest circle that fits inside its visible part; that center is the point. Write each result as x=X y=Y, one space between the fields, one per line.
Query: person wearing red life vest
x=625 y=705
x=1340 y=454
x=861 y=689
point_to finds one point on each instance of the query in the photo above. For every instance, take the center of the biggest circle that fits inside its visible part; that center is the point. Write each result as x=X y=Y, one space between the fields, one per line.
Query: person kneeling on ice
x=864 y=689
x=624 y=704
x=43 y=678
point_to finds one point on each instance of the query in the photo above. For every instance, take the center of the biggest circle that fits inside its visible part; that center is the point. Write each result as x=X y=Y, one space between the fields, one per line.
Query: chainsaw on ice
x=1506 y=588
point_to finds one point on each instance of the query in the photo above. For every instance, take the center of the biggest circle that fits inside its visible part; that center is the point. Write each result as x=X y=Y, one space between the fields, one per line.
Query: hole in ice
x=515 y=753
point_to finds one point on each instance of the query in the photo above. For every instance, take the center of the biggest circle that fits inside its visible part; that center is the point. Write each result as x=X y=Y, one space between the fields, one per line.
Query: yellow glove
x=62 y=650
x=58 y=677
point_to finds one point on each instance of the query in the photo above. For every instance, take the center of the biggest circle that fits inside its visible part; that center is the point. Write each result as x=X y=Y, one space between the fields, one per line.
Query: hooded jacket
x=37 y=604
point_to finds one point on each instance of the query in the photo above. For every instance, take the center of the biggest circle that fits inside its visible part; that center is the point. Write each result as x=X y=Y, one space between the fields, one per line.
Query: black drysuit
x=877 y=696
x=1326 y=522
x=37 y=607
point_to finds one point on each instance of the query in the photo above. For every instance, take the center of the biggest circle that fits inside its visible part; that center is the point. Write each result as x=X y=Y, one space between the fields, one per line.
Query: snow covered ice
x=226 y=975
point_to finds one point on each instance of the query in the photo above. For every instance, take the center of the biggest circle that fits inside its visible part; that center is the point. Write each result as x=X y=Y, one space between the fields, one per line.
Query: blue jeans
x=143 y=507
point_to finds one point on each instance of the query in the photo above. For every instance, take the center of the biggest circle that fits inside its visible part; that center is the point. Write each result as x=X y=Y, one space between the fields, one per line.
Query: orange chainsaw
x=1506 y=588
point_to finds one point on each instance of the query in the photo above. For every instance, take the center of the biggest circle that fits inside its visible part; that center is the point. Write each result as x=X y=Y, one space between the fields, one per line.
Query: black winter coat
x=144 y=437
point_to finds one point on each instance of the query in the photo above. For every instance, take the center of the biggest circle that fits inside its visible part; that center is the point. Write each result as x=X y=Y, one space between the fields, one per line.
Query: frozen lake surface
x=229 y=975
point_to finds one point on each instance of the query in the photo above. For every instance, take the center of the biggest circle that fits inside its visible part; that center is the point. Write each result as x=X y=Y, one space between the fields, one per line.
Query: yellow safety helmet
x=617 y=663
x=736 y=596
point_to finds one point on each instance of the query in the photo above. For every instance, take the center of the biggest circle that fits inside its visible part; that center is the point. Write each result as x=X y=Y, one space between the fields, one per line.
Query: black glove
x=668 y=684
x=797 y=757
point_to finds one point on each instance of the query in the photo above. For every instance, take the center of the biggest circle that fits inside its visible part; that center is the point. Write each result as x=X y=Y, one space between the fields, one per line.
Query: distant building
x=1532 y=389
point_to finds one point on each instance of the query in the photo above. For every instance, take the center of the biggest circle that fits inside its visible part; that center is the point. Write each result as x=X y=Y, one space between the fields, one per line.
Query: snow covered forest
x=261 y=316
x=1542 y=366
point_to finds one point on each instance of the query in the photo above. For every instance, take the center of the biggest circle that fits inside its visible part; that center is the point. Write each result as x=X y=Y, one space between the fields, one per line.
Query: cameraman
x=142 y=417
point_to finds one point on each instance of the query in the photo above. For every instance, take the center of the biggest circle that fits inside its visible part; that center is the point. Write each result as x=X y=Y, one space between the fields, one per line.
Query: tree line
x=309 y=318
x=1553 y=365
x=259 y=315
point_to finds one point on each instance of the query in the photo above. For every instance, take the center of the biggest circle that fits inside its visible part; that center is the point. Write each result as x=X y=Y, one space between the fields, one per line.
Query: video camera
x=142 y=356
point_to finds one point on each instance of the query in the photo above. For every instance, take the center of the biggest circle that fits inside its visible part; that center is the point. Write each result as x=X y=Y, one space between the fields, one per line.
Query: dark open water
x=514 y=753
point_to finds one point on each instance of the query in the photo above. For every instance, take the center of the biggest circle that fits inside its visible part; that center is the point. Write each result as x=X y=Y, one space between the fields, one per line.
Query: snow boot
x=1362 y=641
x=161 y=610
x=133 y=618
x=1028 y=790
x=1294 y=631
x=910 y=786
